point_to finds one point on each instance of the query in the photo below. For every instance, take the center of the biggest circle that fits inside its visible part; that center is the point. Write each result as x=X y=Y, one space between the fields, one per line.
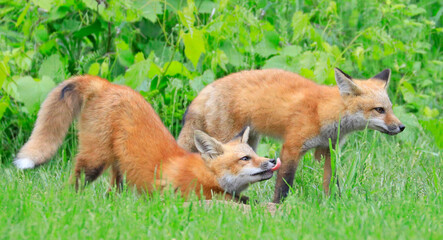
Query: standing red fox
x=287 y=106
x=119 y=129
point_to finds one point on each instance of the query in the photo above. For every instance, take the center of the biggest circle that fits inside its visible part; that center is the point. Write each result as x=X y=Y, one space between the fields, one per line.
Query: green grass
x=389 y=190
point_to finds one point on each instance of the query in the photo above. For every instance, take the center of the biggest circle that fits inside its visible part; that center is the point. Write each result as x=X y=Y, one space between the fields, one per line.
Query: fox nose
x=273 y=161
x=402 y=127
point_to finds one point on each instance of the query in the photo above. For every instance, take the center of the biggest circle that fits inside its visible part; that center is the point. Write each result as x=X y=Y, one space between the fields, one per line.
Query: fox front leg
x=285 y=175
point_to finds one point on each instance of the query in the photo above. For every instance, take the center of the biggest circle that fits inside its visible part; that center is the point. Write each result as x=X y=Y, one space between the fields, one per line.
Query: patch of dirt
x=245 y=208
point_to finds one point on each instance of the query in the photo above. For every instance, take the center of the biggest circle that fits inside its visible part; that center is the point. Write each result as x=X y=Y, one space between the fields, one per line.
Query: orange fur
x=119 y=129
x=287 y=106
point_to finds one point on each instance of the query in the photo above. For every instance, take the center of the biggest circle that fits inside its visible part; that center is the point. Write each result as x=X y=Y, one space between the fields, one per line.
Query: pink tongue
x=277 y=165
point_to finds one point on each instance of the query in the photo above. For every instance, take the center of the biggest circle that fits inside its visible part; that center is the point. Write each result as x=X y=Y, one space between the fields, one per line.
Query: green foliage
x=192 y=40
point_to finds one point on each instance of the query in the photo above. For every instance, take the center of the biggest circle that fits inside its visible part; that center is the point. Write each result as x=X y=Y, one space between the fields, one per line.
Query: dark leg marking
x=93 y=173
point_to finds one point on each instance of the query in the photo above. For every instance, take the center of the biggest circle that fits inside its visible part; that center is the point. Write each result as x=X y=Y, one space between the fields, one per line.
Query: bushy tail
x=56 y=114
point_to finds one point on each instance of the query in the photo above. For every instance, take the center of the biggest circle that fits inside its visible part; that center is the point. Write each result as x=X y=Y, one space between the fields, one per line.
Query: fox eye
x=245 y=158
x=380 y=110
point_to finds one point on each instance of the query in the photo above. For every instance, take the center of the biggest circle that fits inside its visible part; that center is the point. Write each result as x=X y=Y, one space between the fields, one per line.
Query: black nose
x=273 y=161
x=402 y=127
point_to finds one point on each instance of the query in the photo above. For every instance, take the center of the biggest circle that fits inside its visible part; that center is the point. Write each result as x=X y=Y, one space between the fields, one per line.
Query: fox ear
x=345 y=84
x=384 y=76
x=245 y=136
x=208 y=146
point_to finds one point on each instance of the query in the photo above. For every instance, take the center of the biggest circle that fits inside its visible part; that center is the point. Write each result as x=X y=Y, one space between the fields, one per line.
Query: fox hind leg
x=327 y=173
x=93 y=158
x=116 y=178
x=91 y=168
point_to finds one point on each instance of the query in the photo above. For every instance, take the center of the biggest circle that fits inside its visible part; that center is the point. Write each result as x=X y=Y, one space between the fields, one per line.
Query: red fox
x=303 y=114
x=119 y=129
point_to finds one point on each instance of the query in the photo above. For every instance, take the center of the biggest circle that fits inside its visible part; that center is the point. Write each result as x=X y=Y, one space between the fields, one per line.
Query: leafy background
x=169 y=50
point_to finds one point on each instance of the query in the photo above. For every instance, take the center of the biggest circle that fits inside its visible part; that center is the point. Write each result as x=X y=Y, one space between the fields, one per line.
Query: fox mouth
x=264 y=175
x=389 y=132
x=263 y=172
x=267 y=174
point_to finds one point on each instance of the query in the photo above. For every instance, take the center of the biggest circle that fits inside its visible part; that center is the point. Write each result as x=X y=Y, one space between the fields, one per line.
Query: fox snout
x=395 y=129
x=271 y=164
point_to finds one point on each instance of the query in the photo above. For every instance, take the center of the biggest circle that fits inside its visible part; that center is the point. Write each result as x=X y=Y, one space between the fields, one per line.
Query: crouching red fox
x=118 y=129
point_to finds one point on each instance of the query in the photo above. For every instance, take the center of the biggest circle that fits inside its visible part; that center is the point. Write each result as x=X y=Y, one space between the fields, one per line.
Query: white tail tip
x=24 y=163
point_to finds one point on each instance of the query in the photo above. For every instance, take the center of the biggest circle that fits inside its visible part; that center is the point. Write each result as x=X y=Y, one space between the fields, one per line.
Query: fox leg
x=92 y=159
x=327 y=171
x=285 y=175
x=89 y=166
x=116 y=178
x=186 y=137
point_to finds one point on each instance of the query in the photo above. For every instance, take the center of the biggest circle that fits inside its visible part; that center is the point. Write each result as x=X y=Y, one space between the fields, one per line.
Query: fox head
x=368 y=102
x=235 y=164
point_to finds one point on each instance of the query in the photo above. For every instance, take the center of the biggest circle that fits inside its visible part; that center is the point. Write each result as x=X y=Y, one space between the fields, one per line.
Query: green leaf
x=137 y=73
x=124 y=54
x=276 y=62
x=234 y=57
x=408 y=92
x=291 y=51
x=3 y=106
x=46 y=47
x=321 y=68
x=300 y=24
x=198 y=83
x=22 y=15
x=268 y=45
x=94 y=69
x=430 y=113
x=187 y=15
x=307 y=60
x=105 y=68
x=413 y=127
x=139 y=57
x=206 y=6
x=149 y=9
x=41 y=34
x=220 y=59
x=154 y=70
x=32 y=92
x=307 y=73
x=4 y=70
x=194 y=45
x=173 y=68
x=58 y=13
x=44 y=4
x=359 y=54
x=435 y=127
x=96 y=27
x=24 y=60
x=53 y=68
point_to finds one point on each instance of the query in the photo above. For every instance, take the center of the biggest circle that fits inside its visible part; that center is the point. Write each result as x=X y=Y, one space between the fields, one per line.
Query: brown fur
x=119 y=129
x=287 y=106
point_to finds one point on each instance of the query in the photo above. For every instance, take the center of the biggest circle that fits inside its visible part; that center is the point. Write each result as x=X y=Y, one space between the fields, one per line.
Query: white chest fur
x=348 y=123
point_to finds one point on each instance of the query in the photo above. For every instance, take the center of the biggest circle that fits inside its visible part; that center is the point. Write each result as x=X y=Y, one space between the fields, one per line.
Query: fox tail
x=57 y=112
